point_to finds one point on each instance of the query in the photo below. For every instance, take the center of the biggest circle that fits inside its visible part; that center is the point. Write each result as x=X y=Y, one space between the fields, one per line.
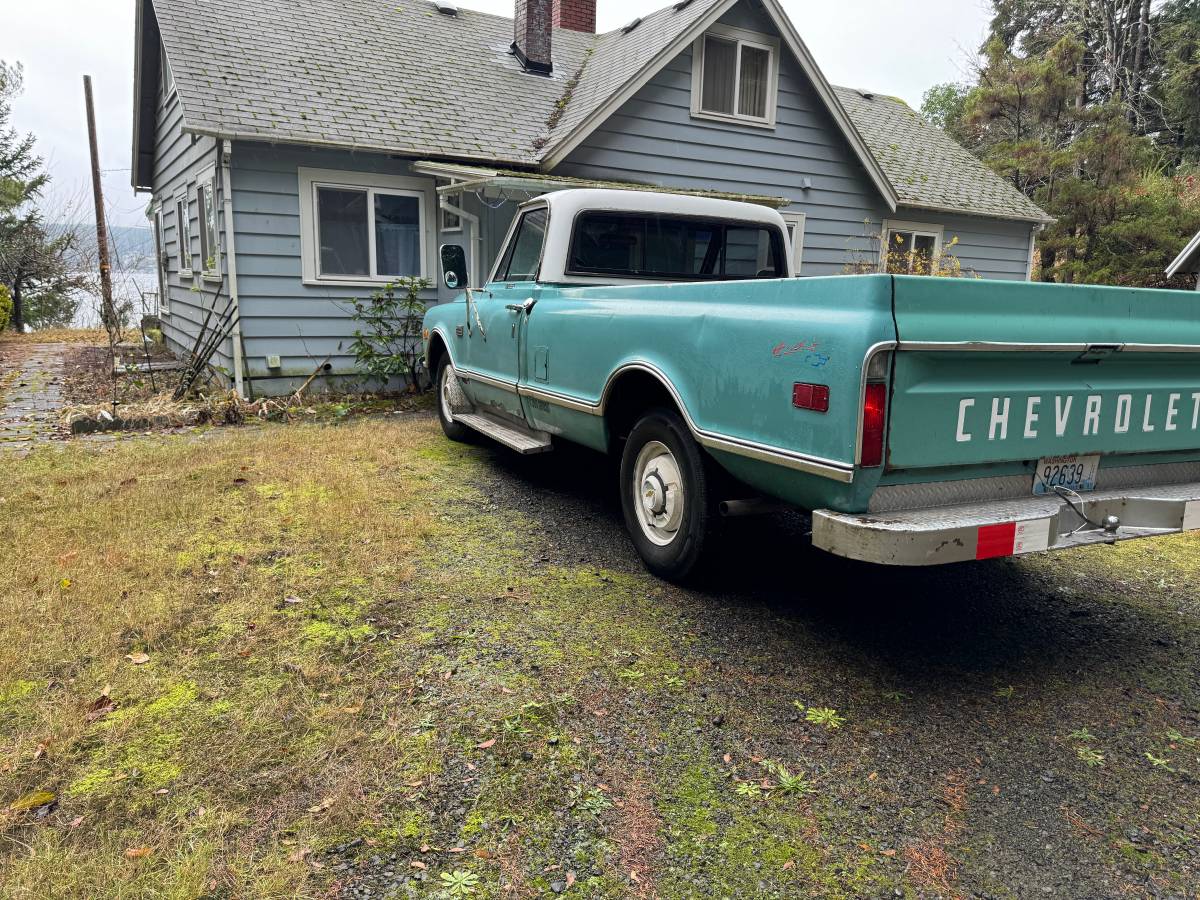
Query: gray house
x=298 y=156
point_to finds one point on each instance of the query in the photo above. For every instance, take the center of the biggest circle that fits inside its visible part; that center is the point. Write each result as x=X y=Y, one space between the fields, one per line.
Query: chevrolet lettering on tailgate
x=919 y=420
x=1087 y=418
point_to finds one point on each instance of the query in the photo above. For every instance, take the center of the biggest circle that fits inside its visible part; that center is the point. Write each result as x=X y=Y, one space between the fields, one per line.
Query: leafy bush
x=387 y=341
x=6 y=306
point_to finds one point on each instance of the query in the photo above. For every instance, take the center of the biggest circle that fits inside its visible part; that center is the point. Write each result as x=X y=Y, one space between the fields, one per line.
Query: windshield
x=674 y=248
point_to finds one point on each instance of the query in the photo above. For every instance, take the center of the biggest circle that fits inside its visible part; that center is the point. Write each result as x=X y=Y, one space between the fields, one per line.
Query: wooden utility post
x=108 y=313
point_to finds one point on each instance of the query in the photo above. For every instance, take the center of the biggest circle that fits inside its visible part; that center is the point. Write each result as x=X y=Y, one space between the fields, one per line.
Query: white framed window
x=160 y=253
x=365 y=229
x=910 y=248
x=450 y=222
x=206 y=221
x=795 y=232
x=735 y=76
x=183 y=232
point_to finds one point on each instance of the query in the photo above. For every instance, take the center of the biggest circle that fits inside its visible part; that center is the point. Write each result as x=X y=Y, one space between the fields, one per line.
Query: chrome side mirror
x=454 y=267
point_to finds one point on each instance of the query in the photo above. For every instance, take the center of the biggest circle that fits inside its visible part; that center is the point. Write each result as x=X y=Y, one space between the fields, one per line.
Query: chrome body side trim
x=801 y=462
x=813 y=465
x=1021 y=347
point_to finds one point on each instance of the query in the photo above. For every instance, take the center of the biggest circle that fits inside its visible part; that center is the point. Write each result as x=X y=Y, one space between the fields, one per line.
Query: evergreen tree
x=33 y=259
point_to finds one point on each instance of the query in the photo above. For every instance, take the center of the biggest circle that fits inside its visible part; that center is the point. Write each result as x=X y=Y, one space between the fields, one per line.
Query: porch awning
x=509 y=184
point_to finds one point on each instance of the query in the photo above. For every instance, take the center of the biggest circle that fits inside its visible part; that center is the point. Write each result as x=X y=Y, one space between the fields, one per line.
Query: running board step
x=515 y=437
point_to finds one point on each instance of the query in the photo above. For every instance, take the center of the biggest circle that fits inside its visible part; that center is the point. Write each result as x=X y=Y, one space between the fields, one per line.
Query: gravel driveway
x=1014 y=729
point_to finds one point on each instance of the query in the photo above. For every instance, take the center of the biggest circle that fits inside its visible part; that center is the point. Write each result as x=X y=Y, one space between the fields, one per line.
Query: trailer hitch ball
x=1111 y=524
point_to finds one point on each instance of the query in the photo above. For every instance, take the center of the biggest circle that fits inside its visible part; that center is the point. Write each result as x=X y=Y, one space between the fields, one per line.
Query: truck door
x=498 y=318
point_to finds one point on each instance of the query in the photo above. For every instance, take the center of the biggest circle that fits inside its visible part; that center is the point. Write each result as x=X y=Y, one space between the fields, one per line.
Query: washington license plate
x=1074 y=473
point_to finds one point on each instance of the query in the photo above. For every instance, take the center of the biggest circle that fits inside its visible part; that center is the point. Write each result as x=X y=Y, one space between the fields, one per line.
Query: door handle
x=524 y=306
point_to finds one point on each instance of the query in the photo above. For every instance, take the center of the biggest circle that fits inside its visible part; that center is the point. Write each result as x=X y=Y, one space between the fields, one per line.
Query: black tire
x=452 y=429
x=679 y=556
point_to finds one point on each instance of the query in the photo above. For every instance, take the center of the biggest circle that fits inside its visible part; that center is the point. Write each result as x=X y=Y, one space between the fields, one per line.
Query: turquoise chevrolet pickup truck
x=919 y=420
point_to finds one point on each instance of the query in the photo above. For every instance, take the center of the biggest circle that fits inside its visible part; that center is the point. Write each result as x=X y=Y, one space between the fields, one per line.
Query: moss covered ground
x=337 y=659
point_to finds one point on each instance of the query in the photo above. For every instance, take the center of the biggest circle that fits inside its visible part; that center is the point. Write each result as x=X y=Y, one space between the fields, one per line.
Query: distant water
x=127 y=286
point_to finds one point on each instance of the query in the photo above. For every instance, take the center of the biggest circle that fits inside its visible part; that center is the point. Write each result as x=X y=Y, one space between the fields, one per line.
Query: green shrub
x=387 y=343
x=6 y=306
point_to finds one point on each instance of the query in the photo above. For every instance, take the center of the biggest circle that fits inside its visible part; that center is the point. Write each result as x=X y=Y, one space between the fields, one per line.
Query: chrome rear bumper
x=927 y=537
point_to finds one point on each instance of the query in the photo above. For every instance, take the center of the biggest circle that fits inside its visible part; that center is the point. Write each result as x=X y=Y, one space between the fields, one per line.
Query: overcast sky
x=876 y=44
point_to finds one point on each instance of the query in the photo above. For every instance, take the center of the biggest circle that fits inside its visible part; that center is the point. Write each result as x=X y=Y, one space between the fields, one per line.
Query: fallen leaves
x=138 y=852
x=322 y=806
x=31 y=801
x=138 y=659
x=490 y=742
x=101 y=706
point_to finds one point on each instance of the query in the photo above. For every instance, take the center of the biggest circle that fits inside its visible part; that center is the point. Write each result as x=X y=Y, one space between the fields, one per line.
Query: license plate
x=1075 y=473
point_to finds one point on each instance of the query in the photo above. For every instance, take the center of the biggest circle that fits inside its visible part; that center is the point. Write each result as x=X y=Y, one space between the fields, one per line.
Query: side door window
x=523 y=256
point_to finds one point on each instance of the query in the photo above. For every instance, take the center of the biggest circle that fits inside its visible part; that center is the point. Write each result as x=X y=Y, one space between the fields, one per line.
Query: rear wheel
x=450 y=399
x=665 y=495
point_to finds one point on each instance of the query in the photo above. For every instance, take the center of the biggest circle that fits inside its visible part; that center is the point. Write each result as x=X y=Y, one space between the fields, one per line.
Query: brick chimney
x=531 y=38
x=577 y=15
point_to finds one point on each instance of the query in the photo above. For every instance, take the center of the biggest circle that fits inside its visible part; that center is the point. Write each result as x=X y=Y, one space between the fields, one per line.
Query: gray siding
x=302 y=323
x=179 y=158
x=989 y=248
x=653 y=138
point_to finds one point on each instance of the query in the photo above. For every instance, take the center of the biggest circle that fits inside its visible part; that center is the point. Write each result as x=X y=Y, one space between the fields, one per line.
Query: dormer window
x=734 y=76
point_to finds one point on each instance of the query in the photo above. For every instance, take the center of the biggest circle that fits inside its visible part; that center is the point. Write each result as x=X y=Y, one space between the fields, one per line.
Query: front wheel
x=665 y=495
x=450 y=399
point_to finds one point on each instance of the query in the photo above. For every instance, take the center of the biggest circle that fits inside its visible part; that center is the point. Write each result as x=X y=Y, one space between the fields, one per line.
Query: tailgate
x=994 y=372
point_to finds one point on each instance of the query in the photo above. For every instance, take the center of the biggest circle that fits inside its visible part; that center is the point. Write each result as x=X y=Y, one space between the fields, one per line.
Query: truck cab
x=919 y=420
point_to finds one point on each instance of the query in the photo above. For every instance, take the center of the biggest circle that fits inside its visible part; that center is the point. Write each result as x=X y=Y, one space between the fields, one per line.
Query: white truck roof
x=565 y=205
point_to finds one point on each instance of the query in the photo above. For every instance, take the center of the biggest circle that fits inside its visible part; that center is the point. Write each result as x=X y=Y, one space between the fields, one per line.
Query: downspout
x=1033 y=233
x=476 y=233
x=231 y=269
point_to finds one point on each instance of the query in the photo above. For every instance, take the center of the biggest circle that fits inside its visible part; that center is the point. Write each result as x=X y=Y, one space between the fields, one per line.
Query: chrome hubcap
x=658 y=493
x=450 y=394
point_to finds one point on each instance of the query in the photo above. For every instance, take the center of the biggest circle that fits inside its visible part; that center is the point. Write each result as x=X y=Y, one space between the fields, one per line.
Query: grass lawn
x=237 y=665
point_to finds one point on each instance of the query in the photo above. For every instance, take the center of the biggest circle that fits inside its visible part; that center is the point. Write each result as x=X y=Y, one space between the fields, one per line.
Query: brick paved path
x=31 y=378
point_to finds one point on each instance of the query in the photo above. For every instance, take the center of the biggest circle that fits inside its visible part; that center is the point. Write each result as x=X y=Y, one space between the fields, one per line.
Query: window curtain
x=720 y=61
x=753 y=94
x=397 y=235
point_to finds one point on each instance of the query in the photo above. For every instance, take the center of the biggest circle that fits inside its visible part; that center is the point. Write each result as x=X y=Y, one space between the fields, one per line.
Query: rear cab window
x=674 y=248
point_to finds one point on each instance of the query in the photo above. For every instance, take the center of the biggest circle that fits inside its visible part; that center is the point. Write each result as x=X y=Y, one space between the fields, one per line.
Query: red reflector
x=996 y=540
x=811 y=396
x=874 y=416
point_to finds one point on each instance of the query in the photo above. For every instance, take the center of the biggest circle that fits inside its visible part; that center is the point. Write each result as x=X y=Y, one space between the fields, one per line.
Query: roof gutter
x=226 y=152
x=1186 y=258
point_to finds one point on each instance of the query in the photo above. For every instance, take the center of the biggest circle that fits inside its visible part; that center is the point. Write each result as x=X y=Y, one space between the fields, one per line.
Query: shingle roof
x=367 y=74
x=926 y=167
x=403 y=78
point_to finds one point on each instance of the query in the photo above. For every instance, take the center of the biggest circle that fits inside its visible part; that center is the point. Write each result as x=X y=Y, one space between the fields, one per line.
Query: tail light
x=873 y=422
